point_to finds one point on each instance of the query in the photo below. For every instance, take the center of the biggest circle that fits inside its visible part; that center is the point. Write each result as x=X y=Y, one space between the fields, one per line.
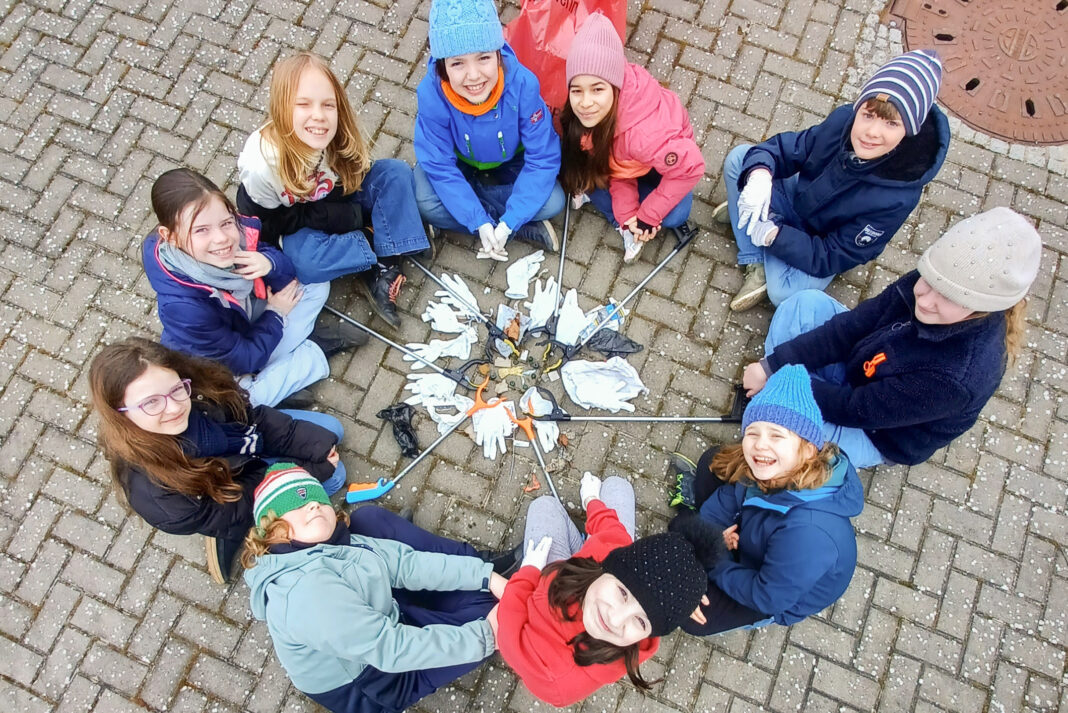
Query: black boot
x=300 y=399
x=382 y=284
x=337 y=336
x=504 y=563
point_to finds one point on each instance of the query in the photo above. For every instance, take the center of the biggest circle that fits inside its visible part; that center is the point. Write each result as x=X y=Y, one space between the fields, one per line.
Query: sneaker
x=337 y=336
x=301 y=399
x=541 y=233
x=504 y=563
x=684 y=232
x=684 y=471
x=382 y=284
x=578 y=200
x=721 y=215
x=631 y=246
x=432 y=237
x=753 y=290
x=220 y=555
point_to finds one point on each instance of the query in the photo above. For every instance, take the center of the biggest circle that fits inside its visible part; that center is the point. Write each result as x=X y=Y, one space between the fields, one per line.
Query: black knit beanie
x=663 y=572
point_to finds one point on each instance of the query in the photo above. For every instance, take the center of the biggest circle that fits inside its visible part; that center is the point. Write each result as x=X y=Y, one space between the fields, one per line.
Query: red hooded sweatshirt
x=654 y=130
x=532 y=638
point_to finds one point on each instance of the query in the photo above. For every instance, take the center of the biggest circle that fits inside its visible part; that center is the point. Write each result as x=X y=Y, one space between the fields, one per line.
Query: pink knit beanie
x=597 y=50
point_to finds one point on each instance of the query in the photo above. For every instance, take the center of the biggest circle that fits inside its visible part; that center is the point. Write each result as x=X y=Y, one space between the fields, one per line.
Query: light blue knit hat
x=910 y=82
x=464 y=26
x=787 y=400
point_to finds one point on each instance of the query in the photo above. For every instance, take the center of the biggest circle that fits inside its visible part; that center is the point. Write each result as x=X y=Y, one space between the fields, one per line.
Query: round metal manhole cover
x=1005 y=62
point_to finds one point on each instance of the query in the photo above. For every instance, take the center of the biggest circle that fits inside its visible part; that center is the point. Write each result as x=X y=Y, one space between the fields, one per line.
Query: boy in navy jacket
x=806 y=206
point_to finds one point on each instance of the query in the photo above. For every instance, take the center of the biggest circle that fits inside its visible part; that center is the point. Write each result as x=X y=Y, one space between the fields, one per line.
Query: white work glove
x=602 y=384
x=443 y=319
x=631 y=246
x=755 y=199
x=492 y=425
x=488 y=237
x=589 y=488
x=457 y=285
x=763 y=233
x=500 y=236
x=521 y=272
x=536 y=405
x=537 y=555
x=429 y=387
x=571 y=320
x=446 y=412
x=544 y=302
x=438 y=348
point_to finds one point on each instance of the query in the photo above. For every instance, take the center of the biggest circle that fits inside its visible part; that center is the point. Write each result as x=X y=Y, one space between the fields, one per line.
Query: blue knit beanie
x=787 y=400
x=464 y=26
x=910 y=82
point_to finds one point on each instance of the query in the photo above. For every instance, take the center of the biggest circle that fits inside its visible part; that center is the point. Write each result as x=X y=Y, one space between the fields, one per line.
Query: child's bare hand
x=491 y=619
x=642 y=236
x=730 y=537
x=286 y=298
x=251 y=264
x=497 y=584
x=754 y=378
x=332 y=457
x=698 y=615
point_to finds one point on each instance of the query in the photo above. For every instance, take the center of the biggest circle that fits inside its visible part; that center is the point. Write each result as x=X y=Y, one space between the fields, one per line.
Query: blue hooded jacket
x=520 y=122
x=796 y=548
x=201 y=320
x=843 y=211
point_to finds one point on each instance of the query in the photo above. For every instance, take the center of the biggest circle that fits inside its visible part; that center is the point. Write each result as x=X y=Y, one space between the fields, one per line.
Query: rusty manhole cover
x=1005 y=62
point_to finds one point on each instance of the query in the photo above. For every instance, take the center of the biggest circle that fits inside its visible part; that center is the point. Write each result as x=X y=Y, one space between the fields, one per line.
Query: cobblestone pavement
x=959 y=599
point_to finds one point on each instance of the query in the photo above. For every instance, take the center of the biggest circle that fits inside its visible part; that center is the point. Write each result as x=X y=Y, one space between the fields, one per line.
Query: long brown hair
x=581 y=170
x=566 y=592
x=174 y=192
x=160 y=456
x=347 y=155
x=813 y=471
x=272 y=530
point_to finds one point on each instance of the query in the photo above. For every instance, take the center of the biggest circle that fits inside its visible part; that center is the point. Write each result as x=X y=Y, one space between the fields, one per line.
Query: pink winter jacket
x=652 y=127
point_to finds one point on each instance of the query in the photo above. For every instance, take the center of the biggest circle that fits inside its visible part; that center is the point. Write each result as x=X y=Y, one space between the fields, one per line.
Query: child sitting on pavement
x=486 y=148
x=781 y=502
x=806 y=206
x=361 y=624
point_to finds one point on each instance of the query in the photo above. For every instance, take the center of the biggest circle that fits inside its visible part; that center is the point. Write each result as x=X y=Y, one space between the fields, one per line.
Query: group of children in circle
x=368 y=612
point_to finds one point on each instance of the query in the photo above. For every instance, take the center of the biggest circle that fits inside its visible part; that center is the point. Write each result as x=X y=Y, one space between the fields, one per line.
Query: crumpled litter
x=602 y=384
x=505 y=316
x=612 y=343
x=400 y=417
x=446 y=412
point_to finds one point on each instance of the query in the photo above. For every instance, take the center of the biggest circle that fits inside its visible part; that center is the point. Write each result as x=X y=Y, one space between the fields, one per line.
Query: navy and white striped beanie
x=910 y=82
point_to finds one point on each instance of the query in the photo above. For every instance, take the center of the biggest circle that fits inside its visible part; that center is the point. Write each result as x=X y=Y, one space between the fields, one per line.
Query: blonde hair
x=347 y=155
x=271 y=530
x=1015 y=326
x=813 y=471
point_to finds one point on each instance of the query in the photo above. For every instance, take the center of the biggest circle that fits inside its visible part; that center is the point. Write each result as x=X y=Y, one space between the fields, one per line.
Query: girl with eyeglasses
x=187 y=449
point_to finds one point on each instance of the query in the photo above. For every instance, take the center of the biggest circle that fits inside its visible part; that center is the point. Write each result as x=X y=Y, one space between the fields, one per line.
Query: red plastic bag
x=541 y=37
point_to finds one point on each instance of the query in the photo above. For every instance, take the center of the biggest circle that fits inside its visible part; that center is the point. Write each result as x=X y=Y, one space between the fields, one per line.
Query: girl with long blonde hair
x=307 y=174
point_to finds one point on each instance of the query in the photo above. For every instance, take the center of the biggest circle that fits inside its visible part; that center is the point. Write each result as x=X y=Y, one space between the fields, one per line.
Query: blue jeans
x=336 y=481
x=493 y=194
x=801 y=313
x=387 y=197
x=783 y=279
x=602 y=201
x=297 y=361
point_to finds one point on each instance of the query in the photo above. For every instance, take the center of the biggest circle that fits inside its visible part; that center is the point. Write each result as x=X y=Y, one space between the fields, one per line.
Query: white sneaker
x=631 y=246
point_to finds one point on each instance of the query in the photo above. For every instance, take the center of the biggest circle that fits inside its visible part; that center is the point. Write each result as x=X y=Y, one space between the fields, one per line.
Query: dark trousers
x=723 y=613
x=375 y=691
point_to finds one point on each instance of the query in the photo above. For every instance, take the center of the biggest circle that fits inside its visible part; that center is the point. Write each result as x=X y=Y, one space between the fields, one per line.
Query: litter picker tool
x=459 y=374
x=362 y=492
x=735 y=415
x=527 y=424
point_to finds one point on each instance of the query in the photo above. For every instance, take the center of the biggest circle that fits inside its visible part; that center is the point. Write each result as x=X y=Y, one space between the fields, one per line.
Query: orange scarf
x=476 y=109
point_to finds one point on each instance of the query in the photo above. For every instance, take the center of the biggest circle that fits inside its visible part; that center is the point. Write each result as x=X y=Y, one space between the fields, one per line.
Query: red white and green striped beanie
x=285 y=488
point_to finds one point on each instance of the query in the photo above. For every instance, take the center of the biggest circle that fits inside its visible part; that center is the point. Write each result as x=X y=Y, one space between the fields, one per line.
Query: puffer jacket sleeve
x=681 y=166
x=180 y=514
x=196 y=326
x=784 y=154
x=303 y=441
x=541 y=155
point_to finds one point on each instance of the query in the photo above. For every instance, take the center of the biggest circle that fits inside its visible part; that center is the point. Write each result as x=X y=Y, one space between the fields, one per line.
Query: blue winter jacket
x=926 y=389
x=844 y=211
x=202 y=320
x=796 y=548
x=331 y=613
x=520 y=122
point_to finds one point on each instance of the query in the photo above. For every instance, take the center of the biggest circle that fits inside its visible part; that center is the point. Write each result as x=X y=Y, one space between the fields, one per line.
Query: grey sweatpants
x=547 y=517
